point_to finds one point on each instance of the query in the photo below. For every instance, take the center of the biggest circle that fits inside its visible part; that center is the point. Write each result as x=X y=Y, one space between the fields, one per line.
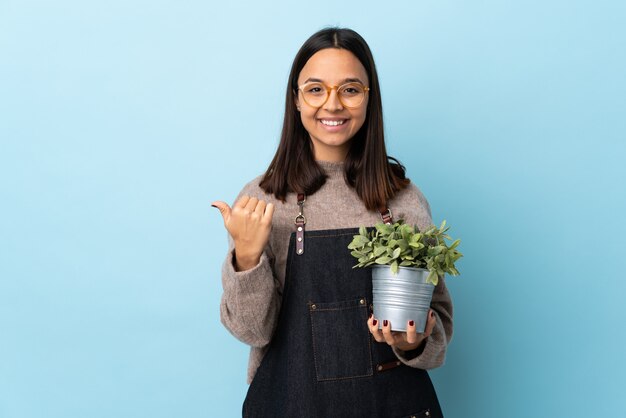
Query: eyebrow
x=345 y=80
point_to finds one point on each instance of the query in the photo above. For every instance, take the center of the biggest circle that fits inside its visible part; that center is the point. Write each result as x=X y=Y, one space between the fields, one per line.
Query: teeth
x=332 y=122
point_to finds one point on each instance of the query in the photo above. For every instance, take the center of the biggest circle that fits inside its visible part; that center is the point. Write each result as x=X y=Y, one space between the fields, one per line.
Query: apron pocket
x=341 y=340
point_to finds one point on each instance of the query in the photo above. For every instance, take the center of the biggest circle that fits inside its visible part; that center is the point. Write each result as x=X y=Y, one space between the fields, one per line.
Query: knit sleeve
x=434 y=351
x=251 y=299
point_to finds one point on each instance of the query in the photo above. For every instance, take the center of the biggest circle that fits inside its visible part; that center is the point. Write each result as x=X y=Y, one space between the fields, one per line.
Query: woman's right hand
x=249 y=223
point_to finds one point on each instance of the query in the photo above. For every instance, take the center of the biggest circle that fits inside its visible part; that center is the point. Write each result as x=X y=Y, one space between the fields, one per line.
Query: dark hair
x=368 y=169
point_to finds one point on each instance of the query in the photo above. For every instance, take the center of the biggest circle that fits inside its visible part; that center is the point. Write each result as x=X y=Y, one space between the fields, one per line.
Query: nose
x=332 y=102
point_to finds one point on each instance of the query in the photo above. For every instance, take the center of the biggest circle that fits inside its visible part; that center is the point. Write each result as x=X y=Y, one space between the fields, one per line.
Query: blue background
x=120 y=121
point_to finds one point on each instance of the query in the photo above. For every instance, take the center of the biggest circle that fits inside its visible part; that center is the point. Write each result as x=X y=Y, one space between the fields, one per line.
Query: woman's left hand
x=405 y=341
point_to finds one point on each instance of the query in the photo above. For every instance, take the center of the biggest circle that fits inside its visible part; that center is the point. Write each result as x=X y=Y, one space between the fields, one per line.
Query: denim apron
x=322 y=361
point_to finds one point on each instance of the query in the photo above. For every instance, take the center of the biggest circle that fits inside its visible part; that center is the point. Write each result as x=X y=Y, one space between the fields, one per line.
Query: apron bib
x=322 y=361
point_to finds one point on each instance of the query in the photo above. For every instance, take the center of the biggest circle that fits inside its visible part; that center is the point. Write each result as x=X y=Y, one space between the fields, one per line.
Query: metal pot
x=402 y=297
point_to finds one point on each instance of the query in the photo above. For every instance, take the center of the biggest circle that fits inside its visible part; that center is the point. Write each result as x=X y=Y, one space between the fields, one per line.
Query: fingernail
x=214 y=206
x=375 y=322
x=385 y=322
x=431 y=314
x=370 y=315
x=411 y=323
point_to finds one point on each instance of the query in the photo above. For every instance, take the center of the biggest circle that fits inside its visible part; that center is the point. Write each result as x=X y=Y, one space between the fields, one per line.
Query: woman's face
x=332 y=125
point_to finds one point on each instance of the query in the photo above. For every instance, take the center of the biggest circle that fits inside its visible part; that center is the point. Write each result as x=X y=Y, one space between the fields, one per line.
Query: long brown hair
x=375 y=176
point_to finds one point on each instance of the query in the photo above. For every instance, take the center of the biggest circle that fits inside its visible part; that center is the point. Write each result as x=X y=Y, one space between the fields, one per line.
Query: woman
x=290 y=291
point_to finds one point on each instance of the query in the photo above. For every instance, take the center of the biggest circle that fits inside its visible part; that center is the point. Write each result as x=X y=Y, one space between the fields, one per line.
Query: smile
x=333 y=122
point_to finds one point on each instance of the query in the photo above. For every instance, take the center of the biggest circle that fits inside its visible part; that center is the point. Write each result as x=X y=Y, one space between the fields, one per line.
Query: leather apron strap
x=300 y=221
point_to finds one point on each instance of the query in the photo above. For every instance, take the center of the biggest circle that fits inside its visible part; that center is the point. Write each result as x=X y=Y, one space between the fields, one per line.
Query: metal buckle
x=301 y=214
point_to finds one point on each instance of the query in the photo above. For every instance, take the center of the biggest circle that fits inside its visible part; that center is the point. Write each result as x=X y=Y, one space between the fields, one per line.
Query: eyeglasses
x=350 y=95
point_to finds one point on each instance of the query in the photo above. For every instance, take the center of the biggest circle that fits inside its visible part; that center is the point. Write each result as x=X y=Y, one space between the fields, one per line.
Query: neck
x=335 y=154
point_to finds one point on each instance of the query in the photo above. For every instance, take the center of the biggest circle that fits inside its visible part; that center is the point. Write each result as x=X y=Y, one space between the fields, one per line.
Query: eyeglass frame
x=336 y=88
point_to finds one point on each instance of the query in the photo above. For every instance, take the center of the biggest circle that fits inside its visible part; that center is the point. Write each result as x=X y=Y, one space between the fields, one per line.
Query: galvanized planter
x=402 y=297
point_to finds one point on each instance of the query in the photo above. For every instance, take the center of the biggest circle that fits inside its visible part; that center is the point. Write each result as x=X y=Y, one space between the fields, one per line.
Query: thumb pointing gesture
x=224 y=209
x=249 y=223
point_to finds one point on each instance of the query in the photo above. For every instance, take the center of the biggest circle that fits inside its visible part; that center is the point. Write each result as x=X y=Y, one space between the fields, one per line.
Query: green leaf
x=383 y=260
x=379 y=251
x=396 y=253
x=358 y=242
x=394 y=267
x=406 y=231
x=432 y=277
x=361 y=240
x=436 y=250
x=384 y=228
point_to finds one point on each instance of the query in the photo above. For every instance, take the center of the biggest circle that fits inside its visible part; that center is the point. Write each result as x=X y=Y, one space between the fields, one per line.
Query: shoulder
x=253 y=189
x=411 y=205
x=412 y=194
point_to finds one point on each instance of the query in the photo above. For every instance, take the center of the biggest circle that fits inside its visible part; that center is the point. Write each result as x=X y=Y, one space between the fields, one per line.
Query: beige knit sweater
x=251 y=300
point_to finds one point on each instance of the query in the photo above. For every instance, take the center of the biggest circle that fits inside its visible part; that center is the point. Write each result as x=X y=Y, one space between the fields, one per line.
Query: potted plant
x=406 y=267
